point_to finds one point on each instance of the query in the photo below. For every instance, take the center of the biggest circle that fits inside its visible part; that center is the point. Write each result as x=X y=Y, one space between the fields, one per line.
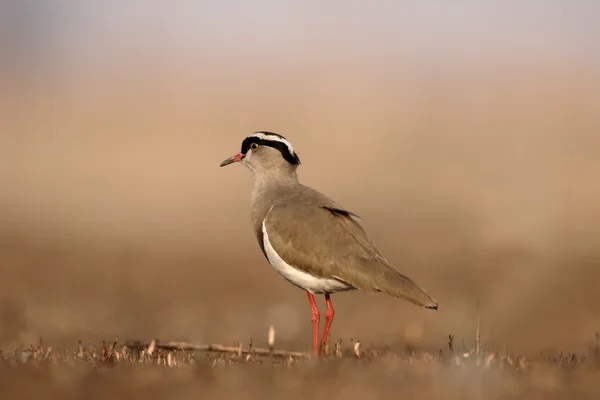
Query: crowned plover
x=310 y=240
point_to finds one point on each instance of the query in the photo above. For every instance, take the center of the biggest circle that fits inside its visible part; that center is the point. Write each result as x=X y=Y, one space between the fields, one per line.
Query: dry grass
x=347 y=371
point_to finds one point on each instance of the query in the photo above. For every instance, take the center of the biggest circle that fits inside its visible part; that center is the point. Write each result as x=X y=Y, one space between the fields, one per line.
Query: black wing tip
x=343 y=212
x=432 y=307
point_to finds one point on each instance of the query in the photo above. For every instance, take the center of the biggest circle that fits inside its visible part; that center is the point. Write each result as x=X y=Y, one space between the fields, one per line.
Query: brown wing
x=329 y=243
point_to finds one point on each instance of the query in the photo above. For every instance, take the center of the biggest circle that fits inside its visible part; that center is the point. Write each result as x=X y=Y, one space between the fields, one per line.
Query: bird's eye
x=254 y=146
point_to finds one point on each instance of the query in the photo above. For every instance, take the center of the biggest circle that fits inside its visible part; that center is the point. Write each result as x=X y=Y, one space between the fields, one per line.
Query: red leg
x=328 y=320
x=315 y=320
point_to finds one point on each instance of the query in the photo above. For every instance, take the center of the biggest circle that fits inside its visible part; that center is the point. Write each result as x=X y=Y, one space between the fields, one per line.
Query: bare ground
x=114 y=370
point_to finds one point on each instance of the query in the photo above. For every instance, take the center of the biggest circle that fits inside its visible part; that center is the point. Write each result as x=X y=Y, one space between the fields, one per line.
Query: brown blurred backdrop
x=467 y=137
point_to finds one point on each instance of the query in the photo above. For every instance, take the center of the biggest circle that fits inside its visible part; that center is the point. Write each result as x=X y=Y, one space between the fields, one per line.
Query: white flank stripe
x=299 y=278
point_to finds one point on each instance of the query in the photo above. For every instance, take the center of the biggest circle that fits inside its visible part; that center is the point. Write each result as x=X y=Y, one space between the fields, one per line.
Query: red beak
x=235 y=158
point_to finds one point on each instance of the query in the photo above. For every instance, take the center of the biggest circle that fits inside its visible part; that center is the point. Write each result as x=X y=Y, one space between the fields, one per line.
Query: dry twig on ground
x=215 y=348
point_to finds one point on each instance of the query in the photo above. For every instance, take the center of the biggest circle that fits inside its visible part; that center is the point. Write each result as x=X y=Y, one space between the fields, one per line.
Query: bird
x=310 y=240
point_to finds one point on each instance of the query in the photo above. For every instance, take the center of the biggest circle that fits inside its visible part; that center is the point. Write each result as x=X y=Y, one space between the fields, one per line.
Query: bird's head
x=264 y=152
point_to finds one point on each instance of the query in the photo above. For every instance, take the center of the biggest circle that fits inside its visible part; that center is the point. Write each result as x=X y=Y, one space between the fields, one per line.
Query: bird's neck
x=267 y=188
x=275 y=178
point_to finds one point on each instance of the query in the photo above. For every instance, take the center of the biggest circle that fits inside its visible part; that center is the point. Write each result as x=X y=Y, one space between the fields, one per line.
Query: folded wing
x=329 y=243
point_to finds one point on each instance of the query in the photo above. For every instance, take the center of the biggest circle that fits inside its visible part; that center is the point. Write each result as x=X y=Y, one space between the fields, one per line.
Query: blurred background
x=466 y=134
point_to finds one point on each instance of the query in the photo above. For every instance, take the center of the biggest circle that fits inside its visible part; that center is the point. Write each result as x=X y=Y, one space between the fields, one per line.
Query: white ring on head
x=266 y=136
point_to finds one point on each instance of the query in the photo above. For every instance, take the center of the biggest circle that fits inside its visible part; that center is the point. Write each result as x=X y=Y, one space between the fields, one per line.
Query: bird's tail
x=378 y=276
x=395 y=284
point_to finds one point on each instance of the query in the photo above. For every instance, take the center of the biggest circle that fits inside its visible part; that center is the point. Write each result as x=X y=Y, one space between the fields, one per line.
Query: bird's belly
x=304 y=280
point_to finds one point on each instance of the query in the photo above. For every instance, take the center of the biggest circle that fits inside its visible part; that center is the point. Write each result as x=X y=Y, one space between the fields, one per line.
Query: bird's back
x=264 y=197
